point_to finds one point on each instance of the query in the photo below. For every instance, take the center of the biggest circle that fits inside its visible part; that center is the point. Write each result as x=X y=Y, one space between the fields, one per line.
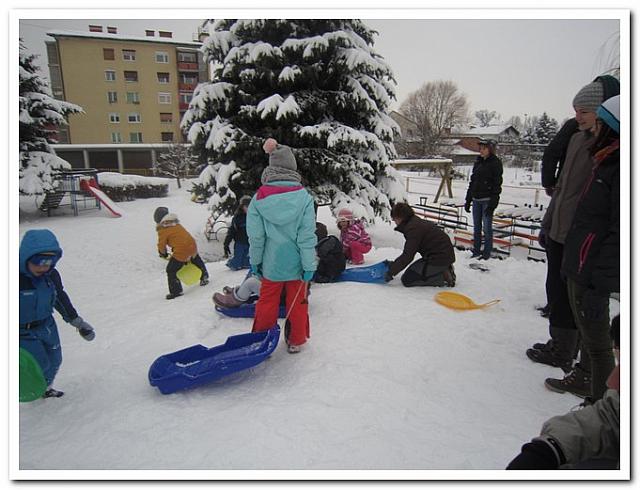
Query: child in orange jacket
x=183 y=249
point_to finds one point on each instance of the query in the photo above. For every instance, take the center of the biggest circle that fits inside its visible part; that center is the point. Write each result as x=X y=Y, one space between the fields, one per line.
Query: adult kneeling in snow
x=435 y=268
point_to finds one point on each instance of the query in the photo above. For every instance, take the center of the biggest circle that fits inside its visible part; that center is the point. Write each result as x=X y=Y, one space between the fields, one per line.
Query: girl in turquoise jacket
x=281 y=228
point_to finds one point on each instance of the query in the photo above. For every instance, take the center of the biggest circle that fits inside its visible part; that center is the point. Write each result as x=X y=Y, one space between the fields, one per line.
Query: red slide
x=92 y=187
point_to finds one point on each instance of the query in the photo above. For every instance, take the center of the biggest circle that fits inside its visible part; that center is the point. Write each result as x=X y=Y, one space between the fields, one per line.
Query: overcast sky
x=514 y=67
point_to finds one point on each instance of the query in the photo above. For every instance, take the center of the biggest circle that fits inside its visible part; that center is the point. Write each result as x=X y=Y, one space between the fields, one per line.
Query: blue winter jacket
x=281 y=226
x=40 y=295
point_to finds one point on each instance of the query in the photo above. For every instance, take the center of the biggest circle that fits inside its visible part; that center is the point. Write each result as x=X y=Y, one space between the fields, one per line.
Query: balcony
x=184 y=106
x=184 y=66
x=186 y=87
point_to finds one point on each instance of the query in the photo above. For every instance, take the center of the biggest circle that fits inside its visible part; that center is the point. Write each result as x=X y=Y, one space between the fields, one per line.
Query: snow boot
x=52 y=393
x=577 y=382
x=551 y=358
x=228 y=290
x=541 y=346
x=204 y=281
x=173 y=295
x=226 y=300
x=293 y=349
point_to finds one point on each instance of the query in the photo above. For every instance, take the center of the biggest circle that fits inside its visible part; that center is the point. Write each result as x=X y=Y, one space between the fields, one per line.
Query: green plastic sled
x=32 y=382
x=189 y=274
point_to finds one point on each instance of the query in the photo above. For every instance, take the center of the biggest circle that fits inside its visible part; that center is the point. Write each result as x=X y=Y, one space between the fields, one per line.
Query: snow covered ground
x=390 y=380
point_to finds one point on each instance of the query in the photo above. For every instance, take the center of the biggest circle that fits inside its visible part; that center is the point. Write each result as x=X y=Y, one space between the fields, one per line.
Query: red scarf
x=606 y=151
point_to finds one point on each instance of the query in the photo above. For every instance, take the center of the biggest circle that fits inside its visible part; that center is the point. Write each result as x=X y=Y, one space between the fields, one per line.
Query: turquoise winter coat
x=281 y=226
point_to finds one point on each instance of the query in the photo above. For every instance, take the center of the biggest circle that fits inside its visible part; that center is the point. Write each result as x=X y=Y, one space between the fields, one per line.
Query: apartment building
x=134 y=90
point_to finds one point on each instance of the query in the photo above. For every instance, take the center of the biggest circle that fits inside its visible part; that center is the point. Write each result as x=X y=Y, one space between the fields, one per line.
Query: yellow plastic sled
x=457 y=301
x=189 y=274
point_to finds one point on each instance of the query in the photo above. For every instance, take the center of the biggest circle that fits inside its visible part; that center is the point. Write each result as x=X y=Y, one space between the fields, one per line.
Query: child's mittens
x=307 y=276
x=84 y=329
x=256 y=270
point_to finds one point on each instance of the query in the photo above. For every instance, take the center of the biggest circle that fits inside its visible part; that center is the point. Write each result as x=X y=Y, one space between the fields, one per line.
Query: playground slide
x=105 y=200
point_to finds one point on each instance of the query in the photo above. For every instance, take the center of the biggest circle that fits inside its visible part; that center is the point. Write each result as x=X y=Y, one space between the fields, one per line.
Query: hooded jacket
x=425 y=238
x=281 y=227
x=39 y=295
x=182 y=244
x=592 y=248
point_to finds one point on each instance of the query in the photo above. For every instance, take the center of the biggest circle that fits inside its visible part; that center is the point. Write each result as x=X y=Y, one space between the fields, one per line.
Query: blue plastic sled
x=197 y=365
x=247 y=310
x=372 y=273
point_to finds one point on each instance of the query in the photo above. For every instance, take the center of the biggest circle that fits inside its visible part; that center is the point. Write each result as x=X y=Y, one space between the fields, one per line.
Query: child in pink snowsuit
x=355 y=240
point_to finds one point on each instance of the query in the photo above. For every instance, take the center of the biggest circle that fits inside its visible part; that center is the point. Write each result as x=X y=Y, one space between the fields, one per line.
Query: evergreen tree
x=40 y=115
x=314 y=85
x=545 y=129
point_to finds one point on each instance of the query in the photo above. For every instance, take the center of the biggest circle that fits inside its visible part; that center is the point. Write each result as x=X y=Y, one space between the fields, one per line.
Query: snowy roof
x=420 y=160
x=402 y=116
x=115 y=146
x=122 y=37
x=491 y=130
x=461 y=150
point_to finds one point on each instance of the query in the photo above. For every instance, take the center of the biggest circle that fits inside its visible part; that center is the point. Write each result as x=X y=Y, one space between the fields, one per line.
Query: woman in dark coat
x=591 y=257
x=484 y=191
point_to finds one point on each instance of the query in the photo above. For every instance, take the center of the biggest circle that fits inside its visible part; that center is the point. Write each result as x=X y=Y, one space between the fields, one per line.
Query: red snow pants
x=296 y=305
x=355 y=252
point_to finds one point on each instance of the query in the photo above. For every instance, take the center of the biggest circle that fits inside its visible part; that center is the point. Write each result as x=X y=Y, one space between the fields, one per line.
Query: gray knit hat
x=589 y=97
x=283 y=157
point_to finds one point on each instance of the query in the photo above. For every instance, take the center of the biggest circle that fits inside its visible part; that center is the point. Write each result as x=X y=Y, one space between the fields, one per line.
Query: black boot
x=577 y=382
x=559 y=350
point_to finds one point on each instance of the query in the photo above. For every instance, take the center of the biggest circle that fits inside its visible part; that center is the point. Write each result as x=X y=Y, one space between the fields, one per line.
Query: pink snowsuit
x=355 y=242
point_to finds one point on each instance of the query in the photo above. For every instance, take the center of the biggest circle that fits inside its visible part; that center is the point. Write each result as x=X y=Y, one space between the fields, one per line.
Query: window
x=135 y=137
x=133 y=98
x=187 y=57
x=162 y=57
x=166 y=117
x=166 y=137
x=114 y=117
x=163 y=77
x=95 y=28
x=129 y=54
x=112 y=30
x=130 y=76
x=108 y=53
x=165 y=34
x=110 y=75
x=164 y=98
x=134 y=117
x=189 y=78
x=186 y=98
x=112 y=97
x=149 y=33
x=116 y=138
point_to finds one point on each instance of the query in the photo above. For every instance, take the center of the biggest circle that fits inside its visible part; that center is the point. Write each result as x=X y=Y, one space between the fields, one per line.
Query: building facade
x=134 y=90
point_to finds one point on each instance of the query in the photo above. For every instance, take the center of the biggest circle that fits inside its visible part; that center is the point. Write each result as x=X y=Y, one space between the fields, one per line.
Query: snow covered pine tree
x=40 y=114
x=545 y=129
x=314 y=85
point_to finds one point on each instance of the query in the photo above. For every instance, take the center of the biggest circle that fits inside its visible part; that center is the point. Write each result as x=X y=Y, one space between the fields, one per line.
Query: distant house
x=470 y=135
x=452 y=148
x=409 y=144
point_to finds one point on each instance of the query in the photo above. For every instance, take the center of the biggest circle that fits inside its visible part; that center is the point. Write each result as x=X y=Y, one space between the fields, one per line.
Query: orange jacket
x=182 y=244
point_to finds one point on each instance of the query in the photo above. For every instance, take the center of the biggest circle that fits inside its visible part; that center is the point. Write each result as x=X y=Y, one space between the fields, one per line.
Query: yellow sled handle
x=490 y=303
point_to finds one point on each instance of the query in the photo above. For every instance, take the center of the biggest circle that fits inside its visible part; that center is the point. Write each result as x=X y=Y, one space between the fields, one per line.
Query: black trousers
x=421 y=273
x=560 y=314
x=175 y=287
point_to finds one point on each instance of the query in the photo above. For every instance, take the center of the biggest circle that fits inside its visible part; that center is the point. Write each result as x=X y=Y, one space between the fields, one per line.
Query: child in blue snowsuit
x=238 y=233
x=41 y=291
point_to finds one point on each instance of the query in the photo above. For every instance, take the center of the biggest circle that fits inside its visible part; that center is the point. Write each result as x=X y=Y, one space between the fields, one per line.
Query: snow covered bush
x=121 y=187
x=314 y=85
x=40 y=115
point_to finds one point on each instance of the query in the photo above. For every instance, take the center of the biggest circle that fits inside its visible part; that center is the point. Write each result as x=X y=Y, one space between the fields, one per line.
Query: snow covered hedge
x=121 y=187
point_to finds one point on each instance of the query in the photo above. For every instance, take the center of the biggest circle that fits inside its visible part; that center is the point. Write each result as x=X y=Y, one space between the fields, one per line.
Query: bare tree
x=177 y=161
x=484 y=117
x=435 y=107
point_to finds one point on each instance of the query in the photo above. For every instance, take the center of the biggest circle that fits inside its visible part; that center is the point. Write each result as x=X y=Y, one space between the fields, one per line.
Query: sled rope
x=294 y=300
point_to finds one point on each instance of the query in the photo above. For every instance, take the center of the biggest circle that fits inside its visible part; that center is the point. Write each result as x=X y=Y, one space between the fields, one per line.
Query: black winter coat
x=238 y=230
x=486 y=180
x=592 y=247
x=331 y=259
x=425 y=238
x=555 y=153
